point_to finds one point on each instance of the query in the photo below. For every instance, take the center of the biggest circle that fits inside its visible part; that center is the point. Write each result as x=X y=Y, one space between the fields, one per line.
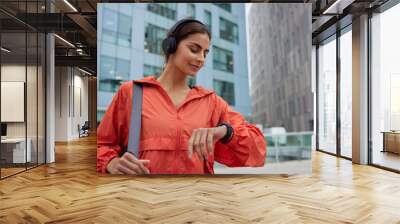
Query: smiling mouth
x=196 y=67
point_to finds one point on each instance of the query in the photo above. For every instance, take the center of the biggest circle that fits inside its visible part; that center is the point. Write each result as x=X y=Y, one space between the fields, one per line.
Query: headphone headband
x=180 y=23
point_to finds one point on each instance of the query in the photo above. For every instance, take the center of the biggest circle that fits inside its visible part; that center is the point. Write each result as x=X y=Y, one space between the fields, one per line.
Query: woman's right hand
x=128 y=164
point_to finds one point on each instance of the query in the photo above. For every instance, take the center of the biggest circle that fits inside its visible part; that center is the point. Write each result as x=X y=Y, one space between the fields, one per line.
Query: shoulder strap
x=136 y=120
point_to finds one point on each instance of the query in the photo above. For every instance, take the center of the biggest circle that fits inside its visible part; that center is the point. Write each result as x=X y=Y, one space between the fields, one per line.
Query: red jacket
x=166 y=131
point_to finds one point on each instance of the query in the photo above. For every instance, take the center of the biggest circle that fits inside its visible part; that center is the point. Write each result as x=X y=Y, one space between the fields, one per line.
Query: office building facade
x=129 y=43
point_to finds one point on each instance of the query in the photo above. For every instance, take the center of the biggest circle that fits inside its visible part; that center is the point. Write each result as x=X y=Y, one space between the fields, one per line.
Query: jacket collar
x=152 y=81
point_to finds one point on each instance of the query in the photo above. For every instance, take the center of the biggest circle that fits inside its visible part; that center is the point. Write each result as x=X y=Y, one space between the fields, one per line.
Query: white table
x=18 y=149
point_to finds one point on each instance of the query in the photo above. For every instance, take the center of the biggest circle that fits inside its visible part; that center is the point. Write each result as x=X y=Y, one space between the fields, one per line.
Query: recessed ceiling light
x=5 y=49
x=64 y=40
x=70 y=5
x=84 y=71
x=338 y=6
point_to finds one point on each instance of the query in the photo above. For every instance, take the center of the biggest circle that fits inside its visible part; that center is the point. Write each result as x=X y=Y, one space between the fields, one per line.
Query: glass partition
x=346 y=93
x=327 y=95
x=22 y=88
x=31 y=98
x=41 y=96
x=14 y=152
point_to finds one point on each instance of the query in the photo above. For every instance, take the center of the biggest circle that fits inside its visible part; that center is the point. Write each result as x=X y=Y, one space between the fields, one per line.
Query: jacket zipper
x=178 y=141
x=178 y=134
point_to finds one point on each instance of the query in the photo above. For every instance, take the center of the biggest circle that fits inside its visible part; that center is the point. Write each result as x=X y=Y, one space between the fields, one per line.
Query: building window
x=225 y=6
x=222 y=59
x=109 y=85
x=124 y=30
x=153 y=39
x=150 y=70
x=191 y=10
x=327 y=95
x=385 y=88
x=114 y=71
x=123 y=69
x=228 y=30
x=107 y=67
x=117 y=29
x=100 y=115
x=167 y=10
x=225 y=90
x=346 y=94
x=110 y=25
x=208 y=20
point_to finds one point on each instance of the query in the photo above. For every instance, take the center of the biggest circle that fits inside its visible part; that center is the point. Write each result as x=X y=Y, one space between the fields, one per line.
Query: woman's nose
x=201 y=59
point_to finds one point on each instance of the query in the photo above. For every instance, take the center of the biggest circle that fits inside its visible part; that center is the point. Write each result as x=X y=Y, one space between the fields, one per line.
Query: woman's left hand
x=203 y=140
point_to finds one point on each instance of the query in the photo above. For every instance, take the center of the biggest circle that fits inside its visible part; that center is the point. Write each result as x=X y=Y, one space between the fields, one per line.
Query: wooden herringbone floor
x=70 y=191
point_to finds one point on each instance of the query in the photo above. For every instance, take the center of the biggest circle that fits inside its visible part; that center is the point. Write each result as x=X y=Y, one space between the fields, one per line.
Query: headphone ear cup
x=169 y=45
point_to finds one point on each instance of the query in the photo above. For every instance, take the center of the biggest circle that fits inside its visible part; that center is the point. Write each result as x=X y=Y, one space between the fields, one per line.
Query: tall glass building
x=281 y=65
x=129 y=47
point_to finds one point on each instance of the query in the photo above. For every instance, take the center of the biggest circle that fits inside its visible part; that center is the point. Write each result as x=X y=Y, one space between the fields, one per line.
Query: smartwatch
x=229 y=133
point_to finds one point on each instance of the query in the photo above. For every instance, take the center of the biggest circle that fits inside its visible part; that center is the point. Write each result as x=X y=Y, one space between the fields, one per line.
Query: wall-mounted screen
x=12 y=101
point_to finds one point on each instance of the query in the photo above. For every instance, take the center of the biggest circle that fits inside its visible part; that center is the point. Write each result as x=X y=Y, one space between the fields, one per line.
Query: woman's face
x=191 y=53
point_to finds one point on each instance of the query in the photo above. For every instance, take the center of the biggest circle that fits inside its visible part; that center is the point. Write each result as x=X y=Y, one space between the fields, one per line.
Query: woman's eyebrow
x=198 y=45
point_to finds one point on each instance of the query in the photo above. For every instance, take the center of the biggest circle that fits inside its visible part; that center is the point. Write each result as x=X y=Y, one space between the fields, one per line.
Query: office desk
x=13 y=150
x=391 y=142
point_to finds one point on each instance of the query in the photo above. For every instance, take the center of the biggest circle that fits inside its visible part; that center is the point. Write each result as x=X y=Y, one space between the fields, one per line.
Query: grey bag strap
x=136 y=120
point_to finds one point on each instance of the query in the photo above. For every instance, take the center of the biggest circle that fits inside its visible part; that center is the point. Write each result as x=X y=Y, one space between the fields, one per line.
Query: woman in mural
x=184 y=128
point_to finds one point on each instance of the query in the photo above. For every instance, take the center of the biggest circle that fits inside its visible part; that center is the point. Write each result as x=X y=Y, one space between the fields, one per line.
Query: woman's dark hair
x=184 y=30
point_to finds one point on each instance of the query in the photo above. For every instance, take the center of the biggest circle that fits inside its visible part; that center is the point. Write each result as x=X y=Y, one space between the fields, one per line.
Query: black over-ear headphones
x=170 y=44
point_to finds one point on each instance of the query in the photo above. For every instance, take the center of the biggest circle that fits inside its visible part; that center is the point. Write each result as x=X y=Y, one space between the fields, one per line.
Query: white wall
x=12 y=101
x=71 y=94
x=14 y=73
x=61 y=104
x=80 y=100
